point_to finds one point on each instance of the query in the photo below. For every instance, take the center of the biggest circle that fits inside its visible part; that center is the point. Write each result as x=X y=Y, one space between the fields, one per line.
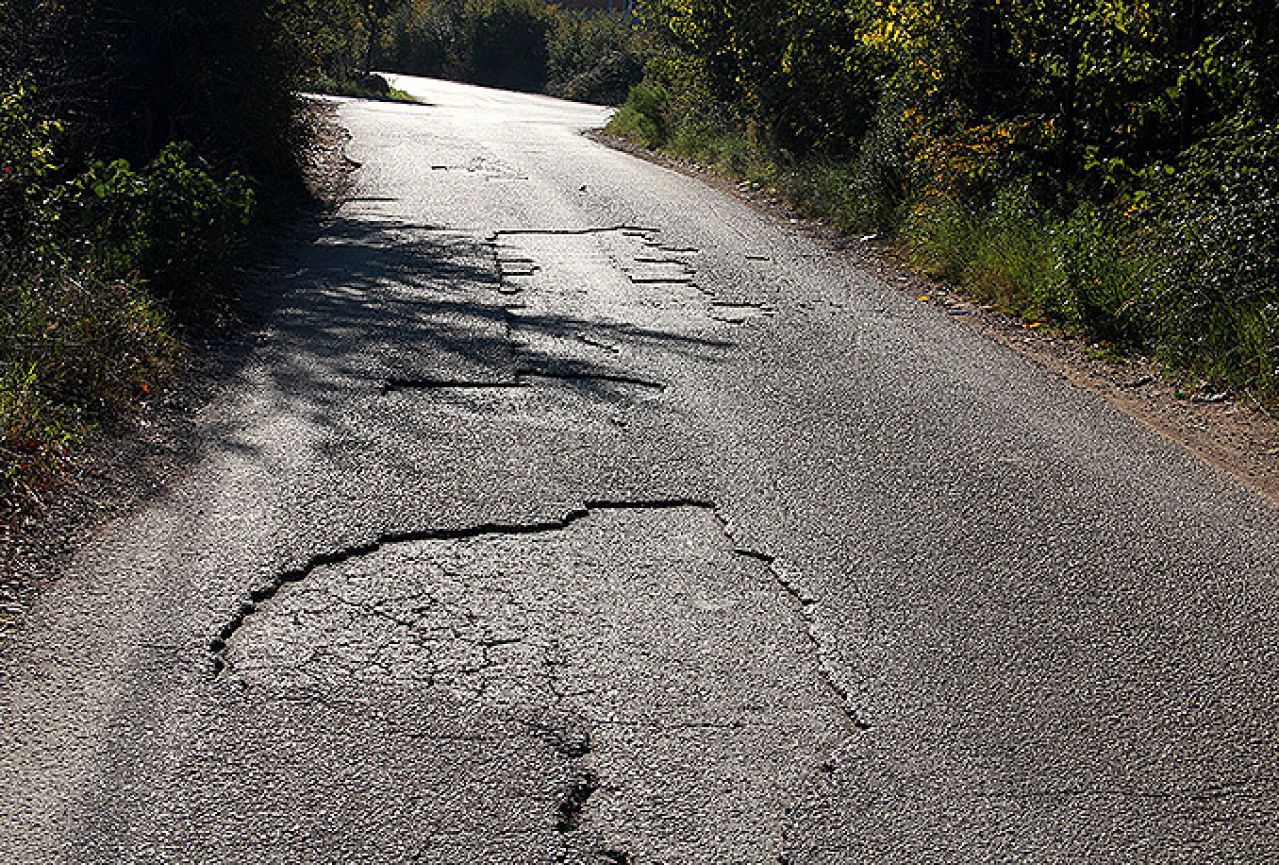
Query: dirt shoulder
x=1233 y=433
x=132 y=460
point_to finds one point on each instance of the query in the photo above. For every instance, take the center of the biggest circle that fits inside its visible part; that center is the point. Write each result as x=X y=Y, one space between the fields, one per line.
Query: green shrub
x=360 y=87
x=27 y=160
x=877 y=178
x=866 y=193
x=329 y=38
x=1115 y=169
x=74 y=348
x=174 y=224
x=938 y=236
x=1009 y=260
x=1211 y=228
x=519 y=44
x=91 y=268
x=1099 y=268
x=131 y=76
x=607 y=81
x=821 y=187
x=425 y=39
x=641 y=118
x=505 y=43
x=594 y=58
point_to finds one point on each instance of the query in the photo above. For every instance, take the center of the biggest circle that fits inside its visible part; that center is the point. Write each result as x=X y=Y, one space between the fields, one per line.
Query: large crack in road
x=689 y=660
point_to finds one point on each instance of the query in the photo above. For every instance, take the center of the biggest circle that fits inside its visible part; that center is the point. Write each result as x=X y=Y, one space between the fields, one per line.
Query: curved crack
x=573 y=803
x=807 y=614
x=577 y=793
x=218 y=645
x=806 y=606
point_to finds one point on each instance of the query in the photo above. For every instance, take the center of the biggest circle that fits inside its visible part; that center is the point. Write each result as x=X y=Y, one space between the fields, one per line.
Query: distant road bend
x=571 y=511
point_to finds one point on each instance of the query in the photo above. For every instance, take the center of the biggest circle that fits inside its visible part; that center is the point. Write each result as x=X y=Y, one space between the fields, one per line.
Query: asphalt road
x=569 y=510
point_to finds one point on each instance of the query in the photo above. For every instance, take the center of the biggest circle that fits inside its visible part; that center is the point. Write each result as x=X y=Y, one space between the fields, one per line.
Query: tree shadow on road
x=379 y=305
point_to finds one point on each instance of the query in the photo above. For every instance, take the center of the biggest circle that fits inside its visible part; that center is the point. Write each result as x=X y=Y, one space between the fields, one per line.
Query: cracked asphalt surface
x=569 y=511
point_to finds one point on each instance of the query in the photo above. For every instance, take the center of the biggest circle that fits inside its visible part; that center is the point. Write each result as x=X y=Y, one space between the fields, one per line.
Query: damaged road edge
x=805 y=606
x=257 y=597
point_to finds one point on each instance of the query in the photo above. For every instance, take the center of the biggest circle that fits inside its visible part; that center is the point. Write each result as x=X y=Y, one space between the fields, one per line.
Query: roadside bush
x=424 y=39
x=526 y=45
x=505 y=43
x=606 y=81
x=1081 y=271
x=74 y=347
x=174 y=225
x=878 y=177
x=1099 y=264
x=135 y=75
x=79 y=345
x=329 y=38
x=1114 y=169
x=1009 y=258
x=1211 y=225
x=98 y=260
x=938 y=236
x=642 y=118
x=866 y=193
x=593 y=58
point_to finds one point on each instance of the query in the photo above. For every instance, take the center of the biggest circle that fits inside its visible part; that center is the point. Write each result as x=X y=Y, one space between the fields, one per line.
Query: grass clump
x=641 y=118
x=100 y=272
x=363 y=87
x=76 y=348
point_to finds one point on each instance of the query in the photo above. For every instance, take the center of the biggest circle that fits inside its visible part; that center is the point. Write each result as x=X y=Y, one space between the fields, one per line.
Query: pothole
x=691 y=664
x=656 y=279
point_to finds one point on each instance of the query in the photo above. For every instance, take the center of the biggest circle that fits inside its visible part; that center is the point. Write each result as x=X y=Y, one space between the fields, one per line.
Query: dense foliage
x=519 y=44
x=1112 y=166
x=136 y=143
